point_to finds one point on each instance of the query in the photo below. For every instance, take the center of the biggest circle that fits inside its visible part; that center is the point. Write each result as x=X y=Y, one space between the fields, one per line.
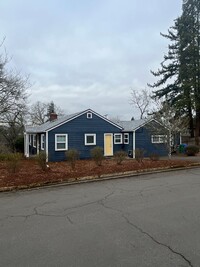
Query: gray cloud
x=87 y=53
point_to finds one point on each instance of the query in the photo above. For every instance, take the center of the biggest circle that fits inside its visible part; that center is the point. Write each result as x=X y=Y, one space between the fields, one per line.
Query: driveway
x=151 y=220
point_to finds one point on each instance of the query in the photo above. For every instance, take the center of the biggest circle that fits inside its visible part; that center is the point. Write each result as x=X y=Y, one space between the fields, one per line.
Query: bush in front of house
x=19 y=144
x=97 y=155
x=13 y=162
x=191 y=150
x=72 y=156
x=139 y=155
x=120 y=156
x=4 y=156
x=41 y=160
x=154 y=156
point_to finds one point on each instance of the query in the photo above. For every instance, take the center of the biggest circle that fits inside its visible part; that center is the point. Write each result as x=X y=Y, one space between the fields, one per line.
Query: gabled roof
x=129 y=126
x=64 y=119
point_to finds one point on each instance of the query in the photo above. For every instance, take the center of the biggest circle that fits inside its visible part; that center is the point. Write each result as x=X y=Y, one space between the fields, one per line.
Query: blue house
x=87 y=129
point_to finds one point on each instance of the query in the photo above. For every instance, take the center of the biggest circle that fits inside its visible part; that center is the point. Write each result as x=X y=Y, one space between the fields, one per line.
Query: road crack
x=156 y=241
x=146 y=233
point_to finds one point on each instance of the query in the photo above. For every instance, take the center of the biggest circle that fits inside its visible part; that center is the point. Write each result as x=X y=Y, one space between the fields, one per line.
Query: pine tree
x=180 y=71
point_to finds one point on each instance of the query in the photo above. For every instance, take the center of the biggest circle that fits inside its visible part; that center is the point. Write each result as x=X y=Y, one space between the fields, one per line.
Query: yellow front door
x=108 y=145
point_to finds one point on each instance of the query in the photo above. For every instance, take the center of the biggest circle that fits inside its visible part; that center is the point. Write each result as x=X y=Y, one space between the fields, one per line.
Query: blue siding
x=128 y=147
x=143 y=141
x=76 y=130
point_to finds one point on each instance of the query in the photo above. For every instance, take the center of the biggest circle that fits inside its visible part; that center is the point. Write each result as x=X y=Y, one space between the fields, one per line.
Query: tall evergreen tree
x=180 y=71
x=191 y=9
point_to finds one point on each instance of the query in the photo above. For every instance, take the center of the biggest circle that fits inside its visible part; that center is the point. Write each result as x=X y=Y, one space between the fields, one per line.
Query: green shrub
x=192 y=150
x=4 y=156
x=154 y=156
x=19 y=144
x=120 y=156
x=97 y=155
x=139 y=154
x=41 y=160
x=13 y=162
x=4 y=149
x=72 y=156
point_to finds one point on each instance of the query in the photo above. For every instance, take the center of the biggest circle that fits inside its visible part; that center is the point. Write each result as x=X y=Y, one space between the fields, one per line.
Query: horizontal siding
x=143 y=141
x=76 y=130
x=128 y=147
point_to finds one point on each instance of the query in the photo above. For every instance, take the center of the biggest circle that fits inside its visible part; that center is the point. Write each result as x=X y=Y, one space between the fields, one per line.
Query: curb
x=92 y=179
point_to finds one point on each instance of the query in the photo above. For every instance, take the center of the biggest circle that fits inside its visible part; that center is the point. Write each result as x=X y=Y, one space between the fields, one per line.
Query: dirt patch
x=30 y=173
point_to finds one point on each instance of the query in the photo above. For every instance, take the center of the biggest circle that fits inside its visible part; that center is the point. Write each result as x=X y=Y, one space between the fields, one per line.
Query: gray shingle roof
x=129 y=126
x=50 y=124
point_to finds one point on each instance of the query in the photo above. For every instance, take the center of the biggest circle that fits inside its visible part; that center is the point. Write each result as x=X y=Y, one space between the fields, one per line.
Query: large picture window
x=158 y=139
x=117 y=139
x=61 y=142
x=90 y=139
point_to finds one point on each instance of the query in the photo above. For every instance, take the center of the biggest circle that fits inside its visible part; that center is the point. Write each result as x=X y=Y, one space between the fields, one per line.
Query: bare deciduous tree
x=40 y=112
x=141 y=100
x=13 y=91
x=172 y=124
x=13 y=101
x=13 y=129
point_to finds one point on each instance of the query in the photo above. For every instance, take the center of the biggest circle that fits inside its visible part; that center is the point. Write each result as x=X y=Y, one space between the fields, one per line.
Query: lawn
x=30 y=174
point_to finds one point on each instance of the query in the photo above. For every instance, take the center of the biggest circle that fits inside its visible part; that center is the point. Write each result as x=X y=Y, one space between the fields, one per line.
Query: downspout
x=28 y=147
x=25 y=146
x=133 y=144
x=47 y=147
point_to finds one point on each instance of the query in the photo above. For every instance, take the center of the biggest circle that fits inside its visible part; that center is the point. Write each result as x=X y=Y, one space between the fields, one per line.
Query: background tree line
x=15 y=111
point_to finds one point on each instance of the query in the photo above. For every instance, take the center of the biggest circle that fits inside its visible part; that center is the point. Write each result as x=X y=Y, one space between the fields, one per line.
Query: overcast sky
x=87 y=53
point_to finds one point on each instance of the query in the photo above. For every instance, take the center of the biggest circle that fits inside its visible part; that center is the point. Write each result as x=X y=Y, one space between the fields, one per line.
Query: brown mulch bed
x=30 y=173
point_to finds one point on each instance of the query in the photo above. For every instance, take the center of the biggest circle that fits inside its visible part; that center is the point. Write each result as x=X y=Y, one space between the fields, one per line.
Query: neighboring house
x=87 y=129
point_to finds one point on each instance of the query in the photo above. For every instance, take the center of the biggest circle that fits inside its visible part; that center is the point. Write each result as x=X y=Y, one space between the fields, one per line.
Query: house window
x=61 y=142
x=90 y=139
x=89 y=115
x=158 y=139
x=117 y=139
x=42 y=141
x=126 y=138
x=34 y=140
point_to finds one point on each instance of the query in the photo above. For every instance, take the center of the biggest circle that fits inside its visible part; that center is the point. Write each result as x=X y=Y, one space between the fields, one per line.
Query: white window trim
x=42 y=142
x=89 y=115
x=90 y=144
x=34 y=140
x=66 y=142
x=161 y=139
x=126 y=136
x=117 y=143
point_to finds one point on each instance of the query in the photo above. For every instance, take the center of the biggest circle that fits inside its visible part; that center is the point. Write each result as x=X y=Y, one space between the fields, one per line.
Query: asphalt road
x=151 y=220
